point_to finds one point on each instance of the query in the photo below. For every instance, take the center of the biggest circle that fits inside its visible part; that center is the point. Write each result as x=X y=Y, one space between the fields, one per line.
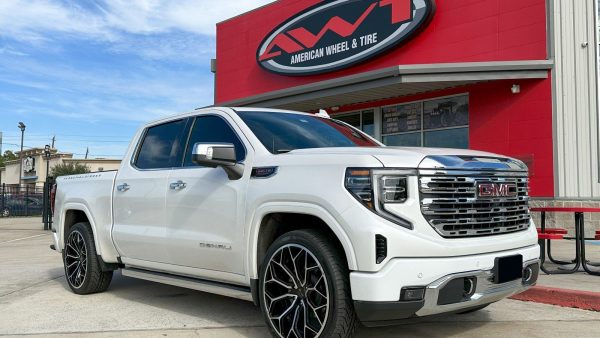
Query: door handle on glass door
x=178 y=185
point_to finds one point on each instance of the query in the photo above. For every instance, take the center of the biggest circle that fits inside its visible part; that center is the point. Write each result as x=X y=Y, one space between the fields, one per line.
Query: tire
x=474 y=309
x=322 y=291
x=82 y=267
x=5 y=212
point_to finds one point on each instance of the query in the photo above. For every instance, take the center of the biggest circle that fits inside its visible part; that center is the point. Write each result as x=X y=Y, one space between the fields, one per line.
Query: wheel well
x=275 y=225
x=73 y=217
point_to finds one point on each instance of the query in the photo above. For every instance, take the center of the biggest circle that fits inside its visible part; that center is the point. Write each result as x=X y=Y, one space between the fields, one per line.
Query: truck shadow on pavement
x=190 y=309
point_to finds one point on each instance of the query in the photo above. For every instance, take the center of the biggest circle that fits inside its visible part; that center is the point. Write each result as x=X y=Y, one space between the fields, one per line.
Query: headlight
x=375 y=188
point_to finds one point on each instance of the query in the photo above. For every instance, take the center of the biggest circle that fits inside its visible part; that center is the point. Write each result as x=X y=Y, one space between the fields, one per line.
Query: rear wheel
x=82 y=267
x=5 y=212
x=304 y=289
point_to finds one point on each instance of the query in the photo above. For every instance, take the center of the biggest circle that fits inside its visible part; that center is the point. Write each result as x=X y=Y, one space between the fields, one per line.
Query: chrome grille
x=450 y=203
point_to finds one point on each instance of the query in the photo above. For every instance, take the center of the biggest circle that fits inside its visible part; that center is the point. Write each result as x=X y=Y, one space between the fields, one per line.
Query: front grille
x=451 y=203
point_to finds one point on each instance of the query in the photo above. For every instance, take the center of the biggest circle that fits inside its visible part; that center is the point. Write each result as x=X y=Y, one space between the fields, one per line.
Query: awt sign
x=337 y=34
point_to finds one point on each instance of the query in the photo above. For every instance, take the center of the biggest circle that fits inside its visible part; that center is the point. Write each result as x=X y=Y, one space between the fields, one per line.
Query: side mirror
x=215 y=155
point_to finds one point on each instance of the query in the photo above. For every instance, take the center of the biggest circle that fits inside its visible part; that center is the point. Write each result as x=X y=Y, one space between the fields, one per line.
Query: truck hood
x=406 y=157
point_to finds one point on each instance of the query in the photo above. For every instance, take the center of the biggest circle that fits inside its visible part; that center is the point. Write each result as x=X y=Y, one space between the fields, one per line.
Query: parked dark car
x=21 y=206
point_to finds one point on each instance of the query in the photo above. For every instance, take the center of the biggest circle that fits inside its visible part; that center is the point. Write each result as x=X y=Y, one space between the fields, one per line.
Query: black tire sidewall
x=86 y=232
x=304 y=238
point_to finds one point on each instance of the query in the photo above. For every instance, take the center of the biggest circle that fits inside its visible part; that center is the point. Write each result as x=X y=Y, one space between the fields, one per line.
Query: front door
x=205 y=209
x=139 y=195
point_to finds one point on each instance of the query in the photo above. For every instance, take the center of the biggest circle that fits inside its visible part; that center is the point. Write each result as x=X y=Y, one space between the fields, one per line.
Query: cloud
x=39 y=20
x=101 y=92
x=151 y=29
x=97 y=64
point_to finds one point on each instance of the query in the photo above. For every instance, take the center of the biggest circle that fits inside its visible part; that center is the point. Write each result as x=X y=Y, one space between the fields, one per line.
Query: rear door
x=205 y=215
x=140 y=188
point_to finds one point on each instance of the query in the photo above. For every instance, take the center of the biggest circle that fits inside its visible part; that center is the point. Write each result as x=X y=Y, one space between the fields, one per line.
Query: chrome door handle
x=123 y=187
x=179 y=185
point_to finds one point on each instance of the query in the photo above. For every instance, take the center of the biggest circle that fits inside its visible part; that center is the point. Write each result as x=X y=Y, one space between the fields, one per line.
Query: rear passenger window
x=213 y=129
x=161 y=147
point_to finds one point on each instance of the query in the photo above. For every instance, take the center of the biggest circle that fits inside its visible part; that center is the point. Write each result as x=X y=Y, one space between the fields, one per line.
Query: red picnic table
x=546 y=235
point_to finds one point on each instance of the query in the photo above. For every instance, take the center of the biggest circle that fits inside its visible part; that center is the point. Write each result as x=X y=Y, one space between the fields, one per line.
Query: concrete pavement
x=35 y=300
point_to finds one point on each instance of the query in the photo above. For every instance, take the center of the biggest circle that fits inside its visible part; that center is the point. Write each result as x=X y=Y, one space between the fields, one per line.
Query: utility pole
x=53 y=139
x=22 y=127
x=87 y=152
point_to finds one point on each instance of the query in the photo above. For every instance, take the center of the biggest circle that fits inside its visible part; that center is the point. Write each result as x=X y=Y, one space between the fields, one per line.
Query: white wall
x=575 y=100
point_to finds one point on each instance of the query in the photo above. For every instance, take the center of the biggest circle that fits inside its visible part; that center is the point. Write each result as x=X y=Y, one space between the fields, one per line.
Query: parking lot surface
x=35 y=300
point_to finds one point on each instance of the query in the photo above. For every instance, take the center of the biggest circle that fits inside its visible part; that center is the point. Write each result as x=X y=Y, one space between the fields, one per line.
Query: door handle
x=179 y=185
x=123 y=187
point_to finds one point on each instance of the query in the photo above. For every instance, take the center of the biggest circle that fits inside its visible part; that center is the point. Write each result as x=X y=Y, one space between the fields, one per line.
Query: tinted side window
x=161 y=147
x=213 y=129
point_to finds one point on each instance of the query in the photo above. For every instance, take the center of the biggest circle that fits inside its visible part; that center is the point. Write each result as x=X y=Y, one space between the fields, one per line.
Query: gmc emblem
x=489 y=190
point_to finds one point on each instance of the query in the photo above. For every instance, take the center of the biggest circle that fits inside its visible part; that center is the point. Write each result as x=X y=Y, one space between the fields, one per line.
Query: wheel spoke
x=287 y=272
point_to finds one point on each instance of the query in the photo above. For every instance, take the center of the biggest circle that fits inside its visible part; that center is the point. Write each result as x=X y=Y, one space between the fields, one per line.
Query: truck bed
x=92 y=194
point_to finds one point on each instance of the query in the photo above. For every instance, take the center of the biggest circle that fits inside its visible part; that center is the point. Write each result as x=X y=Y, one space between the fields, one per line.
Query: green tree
x=8 y=156
x=69 y=168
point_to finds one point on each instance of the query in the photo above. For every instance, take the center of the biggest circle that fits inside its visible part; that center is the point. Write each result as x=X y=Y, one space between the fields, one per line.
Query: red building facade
x=477 y=74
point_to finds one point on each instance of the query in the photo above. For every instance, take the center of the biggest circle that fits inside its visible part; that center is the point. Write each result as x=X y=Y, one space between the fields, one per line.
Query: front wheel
x=304 y=288
x=82 y=266
x=6 y=212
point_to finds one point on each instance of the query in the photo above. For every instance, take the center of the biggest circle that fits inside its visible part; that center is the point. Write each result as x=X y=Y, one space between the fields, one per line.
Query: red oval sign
x=337 y=34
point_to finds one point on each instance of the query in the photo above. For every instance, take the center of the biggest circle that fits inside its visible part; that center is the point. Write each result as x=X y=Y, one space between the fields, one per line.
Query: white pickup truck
x=317 y=223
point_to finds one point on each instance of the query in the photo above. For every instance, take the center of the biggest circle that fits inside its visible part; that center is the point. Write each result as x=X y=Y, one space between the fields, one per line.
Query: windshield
x=284 y=132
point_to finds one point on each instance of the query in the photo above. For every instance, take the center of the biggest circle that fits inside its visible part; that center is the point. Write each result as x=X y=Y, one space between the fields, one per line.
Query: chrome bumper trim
x=486 y=291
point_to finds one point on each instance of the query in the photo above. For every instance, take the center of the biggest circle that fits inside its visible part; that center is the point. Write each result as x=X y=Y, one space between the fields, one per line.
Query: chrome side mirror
x=215 y=155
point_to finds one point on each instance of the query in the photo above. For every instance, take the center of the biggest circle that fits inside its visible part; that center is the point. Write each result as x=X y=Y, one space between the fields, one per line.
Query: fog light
x=530 y=274
x=470 y=285
x=412 y=294
x=527 y=274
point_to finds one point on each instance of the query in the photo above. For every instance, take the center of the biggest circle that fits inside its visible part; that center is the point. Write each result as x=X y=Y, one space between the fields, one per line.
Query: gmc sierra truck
x=317 y=223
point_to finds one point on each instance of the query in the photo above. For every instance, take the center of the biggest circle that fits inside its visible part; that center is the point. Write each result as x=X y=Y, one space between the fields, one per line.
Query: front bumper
x=377 y=296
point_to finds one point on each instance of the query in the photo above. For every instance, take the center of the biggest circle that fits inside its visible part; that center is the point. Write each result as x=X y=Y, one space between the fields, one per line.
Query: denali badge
x=215 y=246
x=488 y=190
x=336 y=34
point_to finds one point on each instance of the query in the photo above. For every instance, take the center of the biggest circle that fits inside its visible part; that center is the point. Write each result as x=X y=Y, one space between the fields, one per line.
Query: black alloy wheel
x=304 y=288
x=83 y=269
x=76 y=262
x=296 y=293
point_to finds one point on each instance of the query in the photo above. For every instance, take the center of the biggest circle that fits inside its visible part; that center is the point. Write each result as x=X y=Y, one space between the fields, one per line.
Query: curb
x=584 y=300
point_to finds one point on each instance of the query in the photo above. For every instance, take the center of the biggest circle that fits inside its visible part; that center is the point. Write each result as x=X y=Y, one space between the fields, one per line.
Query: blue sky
x=91 y=72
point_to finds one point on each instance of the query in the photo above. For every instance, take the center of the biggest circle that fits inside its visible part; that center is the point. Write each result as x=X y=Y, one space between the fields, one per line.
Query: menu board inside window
x=401 y=119
x=446 y=113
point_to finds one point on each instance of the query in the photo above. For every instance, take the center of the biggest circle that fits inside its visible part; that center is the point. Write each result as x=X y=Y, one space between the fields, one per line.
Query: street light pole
x=22 y=127
x=46 y=214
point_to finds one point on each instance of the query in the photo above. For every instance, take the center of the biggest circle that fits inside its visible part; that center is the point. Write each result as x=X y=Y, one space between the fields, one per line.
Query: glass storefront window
x=353 y=120
x=364 y=121
x=442 y=123
x=445 y=113
x=403 y=140
x=402 y=118
x=449 y=138
x=368 y=122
